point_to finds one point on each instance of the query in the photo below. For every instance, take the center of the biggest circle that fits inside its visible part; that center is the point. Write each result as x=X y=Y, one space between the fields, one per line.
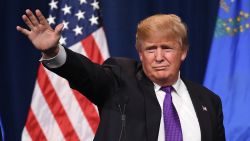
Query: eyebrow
x=164 y=46
x=150 y=47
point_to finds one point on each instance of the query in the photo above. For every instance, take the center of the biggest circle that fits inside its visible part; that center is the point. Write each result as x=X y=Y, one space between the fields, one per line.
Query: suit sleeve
x=95 y=81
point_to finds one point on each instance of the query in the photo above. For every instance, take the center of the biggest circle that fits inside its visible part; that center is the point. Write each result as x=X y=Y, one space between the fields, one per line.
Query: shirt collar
x=176 y=85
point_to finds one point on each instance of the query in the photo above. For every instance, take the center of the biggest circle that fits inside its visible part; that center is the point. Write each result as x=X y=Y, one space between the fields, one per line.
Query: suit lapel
x=201 y=110
x=152 y=107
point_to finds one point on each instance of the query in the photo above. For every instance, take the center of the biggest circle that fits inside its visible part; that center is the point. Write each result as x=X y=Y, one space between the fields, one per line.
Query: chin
x=162 y=78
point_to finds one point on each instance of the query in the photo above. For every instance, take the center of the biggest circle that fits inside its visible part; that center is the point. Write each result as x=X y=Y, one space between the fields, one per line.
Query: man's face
x=161 y=59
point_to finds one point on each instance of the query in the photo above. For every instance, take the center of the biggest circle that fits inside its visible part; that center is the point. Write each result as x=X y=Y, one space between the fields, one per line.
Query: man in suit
x=146 y=101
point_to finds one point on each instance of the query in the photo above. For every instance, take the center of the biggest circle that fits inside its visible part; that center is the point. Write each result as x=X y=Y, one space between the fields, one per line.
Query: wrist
x=50 y=53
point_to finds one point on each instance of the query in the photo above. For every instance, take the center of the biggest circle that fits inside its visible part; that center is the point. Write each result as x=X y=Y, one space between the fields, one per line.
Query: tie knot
x=167 y=89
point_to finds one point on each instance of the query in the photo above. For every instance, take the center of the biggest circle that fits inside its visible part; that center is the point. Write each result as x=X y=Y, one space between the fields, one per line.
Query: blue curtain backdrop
x=229 y=66
x=19 y=61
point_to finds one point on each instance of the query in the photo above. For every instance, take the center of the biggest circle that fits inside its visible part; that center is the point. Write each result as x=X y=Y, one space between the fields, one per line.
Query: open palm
x=42 y=36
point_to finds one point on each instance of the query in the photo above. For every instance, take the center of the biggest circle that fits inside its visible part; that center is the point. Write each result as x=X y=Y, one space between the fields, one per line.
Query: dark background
x=19 y=61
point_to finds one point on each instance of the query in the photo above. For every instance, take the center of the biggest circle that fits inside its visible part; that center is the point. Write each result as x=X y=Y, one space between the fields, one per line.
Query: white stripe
x=101 y=42
x=44 y=116
x=78 y=48
x=25 y=135
x=71 y=106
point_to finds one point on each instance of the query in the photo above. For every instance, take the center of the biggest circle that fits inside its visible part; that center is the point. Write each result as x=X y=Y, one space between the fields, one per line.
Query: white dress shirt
x=189 y=122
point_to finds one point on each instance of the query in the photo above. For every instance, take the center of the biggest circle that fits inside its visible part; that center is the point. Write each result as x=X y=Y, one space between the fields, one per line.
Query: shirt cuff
x=57 y=61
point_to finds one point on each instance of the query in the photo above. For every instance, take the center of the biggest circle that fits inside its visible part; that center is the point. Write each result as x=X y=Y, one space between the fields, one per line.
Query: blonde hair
x=169 y=24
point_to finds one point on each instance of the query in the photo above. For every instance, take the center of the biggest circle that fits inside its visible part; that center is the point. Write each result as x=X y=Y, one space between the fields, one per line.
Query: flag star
x=77 y=30
x=80 y=15
x=93 y=20
x=51 y=19
x=95 y=5
x=53 y=5
x=82 y=1
x=65 y=25
x=66 y=9
x=62 y=40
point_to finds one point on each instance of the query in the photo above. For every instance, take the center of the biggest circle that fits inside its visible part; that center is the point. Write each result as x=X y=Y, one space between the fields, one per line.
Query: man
x=145 y=101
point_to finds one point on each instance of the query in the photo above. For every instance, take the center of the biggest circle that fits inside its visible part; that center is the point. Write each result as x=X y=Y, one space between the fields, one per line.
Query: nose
x=159 y=55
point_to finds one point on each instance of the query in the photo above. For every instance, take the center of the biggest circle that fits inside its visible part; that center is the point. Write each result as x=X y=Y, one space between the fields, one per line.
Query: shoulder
x=120 y=61
x=201 y=91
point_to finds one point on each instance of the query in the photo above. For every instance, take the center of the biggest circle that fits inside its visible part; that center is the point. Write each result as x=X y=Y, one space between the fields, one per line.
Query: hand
x=42 y=36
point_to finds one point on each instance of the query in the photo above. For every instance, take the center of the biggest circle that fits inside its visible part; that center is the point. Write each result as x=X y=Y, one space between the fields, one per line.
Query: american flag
x=58 y=112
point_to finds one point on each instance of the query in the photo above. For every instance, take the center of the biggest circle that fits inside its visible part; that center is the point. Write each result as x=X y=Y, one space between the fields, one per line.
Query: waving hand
x=40 y=33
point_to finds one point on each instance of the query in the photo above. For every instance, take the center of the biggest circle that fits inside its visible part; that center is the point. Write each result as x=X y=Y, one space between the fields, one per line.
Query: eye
x=151 y=49
x=167 y=48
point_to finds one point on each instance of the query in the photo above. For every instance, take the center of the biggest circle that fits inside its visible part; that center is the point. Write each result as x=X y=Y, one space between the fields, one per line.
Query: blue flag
x=1 y=129
x=228 y=69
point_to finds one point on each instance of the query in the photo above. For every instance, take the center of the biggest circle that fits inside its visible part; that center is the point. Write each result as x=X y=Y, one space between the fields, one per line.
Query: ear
x=138 y=49
x=184 y=54
x=140 y=55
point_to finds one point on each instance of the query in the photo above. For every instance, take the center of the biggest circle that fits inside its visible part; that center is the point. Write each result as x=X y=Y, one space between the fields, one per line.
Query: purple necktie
x=171 y=119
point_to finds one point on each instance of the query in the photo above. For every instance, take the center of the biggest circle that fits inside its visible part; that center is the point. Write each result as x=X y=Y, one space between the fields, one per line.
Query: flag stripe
x=25 y=135
x=78 y=48
x=56 y=106
x=45 y=116
x=72 y=106
x=88 y=110
x=101 y=42
x=34 y=128
x=92 y=50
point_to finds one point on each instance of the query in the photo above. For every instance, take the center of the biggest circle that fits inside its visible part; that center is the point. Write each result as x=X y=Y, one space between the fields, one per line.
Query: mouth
x=159 y=68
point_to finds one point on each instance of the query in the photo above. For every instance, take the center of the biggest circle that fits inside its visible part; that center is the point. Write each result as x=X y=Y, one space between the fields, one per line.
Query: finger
x=27 y=21
x=23 y=30
x=32 y=17
x=41 y=18
x=59 y=28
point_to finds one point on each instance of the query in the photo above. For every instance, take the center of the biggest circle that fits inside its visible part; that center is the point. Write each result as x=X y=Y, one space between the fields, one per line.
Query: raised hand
x=40 y=33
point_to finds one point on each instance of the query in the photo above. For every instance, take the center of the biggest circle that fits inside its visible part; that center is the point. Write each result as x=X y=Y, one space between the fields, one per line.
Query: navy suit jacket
x=120 y=85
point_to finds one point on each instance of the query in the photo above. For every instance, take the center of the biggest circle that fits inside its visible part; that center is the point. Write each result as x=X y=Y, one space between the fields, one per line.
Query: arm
x=93 y=80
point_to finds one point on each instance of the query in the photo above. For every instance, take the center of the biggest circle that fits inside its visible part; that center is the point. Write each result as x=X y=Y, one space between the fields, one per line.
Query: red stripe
x=33 y=128
x=55 y=106
x=92 y=49
x=89 y=110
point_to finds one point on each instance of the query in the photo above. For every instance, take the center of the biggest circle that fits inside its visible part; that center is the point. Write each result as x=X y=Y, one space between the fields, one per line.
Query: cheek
x=148 y=58
x=175 y=57
x=147 y=62
x=174 y=60
x=170 y=57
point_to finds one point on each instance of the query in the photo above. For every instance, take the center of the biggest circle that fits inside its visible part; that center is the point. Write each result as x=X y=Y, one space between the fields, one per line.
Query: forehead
x=159 y=40
x=159 y=35
x=171 y=43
